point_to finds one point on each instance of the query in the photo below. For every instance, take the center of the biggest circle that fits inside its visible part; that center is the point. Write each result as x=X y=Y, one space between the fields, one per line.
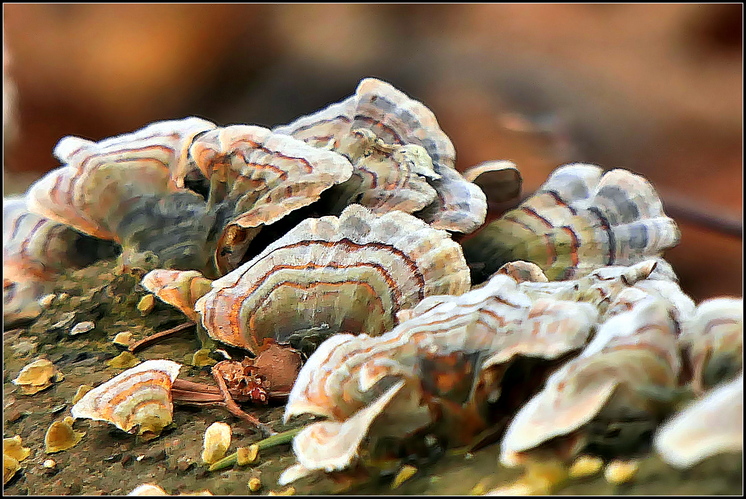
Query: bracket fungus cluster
x=332 y=236
x=137 y=401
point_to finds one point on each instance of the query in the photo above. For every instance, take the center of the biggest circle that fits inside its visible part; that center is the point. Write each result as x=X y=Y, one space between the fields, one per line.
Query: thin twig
x=233 y=407
x=154 y=338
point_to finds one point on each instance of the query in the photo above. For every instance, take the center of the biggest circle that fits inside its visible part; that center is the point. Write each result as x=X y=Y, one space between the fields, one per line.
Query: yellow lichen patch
x=405 y=473
x=82 y=390
x=617 y=472
x=202 y=358
x=216 y=443
x=255 y=484
x=247 y=455
x=37 y=376
x=10 y=466
x=124 y=360
x=13 y=447
x=146 y=304
x=61 y=436
x=586 y=466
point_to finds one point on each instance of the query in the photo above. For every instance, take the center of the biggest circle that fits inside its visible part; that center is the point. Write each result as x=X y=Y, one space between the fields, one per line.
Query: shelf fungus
x=374 y=121
x=712 y=342
x=708 y=426
x=263 y=176
x=435 y=372
x=611 y=289
x=611 y=384
x=137 y=400
x=330 y=275
x=61 y=436
x=580 y=219
x=179 y=288
x=385 y=177
x=88 y=191
x=36 y=251
x=37 y=376
x=13 y=453
x=121 y=189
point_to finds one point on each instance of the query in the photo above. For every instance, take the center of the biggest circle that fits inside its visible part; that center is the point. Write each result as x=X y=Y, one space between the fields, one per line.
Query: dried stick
x=231 y=405
x=154 y=338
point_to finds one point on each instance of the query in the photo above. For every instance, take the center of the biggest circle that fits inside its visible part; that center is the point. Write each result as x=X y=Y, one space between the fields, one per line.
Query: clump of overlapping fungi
x=558 y=328
x=627 y=337
x=189 y=195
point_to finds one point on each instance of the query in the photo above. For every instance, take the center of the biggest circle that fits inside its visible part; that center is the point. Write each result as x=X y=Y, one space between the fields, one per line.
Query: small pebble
x=184 y=465
x=75 y=486
x=156 y=455
x=124 y=360
x=58 y=408
x=585 y=466
x=82 y=327
x=617 y=472
x=24 y=348
x=65 y=321
x=47 y=300
x=146 y=304
x=13 y=414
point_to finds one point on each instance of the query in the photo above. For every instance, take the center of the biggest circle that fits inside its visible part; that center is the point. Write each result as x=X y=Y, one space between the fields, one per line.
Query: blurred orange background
x=656 y=89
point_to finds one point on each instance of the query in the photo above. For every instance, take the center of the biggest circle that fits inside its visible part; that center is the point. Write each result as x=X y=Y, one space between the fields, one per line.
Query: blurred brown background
x=656 y=89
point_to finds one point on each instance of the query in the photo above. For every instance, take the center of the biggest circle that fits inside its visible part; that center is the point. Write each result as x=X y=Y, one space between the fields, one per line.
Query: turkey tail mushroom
x=578 y=220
